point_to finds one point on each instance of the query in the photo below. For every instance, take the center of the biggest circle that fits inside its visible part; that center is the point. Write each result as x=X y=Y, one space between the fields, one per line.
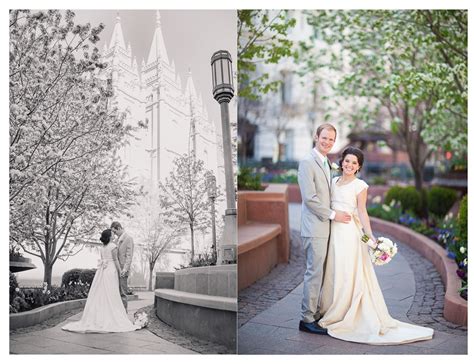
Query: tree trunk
x=419 y=187
x=48 y=272
x=150 y=279
x=191 y=226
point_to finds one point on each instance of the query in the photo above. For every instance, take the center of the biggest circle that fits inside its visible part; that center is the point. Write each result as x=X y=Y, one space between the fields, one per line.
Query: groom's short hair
x=116 y=225
x=325 y=126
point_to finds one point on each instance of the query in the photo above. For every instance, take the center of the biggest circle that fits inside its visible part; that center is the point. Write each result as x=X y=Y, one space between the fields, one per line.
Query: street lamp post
x=223 y=91
x=212 y=194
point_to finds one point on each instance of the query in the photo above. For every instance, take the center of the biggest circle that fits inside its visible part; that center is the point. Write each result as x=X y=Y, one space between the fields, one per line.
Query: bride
x=352 y=303
x=104 y=311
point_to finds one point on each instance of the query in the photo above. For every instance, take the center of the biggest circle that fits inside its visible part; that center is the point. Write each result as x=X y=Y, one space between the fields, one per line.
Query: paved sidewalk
x=57 y=341
x=275 y=329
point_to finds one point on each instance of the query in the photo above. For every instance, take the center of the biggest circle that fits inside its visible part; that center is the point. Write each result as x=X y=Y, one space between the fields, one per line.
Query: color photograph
x=352 y=182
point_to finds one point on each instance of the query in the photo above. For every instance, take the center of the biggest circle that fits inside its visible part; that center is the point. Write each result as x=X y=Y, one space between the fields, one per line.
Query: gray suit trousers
x=316 y=251
x=123 y=282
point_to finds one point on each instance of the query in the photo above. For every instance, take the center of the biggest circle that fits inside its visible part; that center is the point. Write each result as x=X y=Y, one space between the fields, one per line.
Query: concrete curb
x=455 y=307
x=40 y=314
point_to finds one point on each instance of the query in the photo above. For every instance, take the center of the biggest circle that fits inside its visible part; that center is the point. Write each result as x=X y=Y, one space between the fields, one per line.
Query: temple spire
x=157 y=48
x=117 y=35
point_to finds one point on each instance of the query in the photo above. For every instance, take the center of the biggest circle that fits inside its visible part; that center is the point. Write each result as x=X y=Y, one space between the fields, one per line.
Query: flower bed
x=449 y=232
x=25 y=299
x=455 y=307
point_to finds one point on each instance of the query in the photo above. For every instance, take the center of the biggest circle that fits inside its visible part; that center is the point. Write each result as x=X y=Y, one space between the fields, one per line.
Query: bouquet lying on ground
x=381 y=251
x=140 y=319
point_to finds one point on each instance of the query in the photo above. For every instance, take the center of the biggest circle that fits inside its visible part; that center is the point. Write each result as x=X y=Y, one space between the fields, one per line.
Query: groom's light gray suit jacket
x=125 y=251
x=315 y=186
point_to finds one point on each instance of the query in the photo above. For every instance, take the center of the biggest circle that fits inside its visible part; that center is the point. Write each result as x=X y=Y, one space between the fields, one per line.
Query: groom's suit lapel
x=119 y=241
x=320 y=165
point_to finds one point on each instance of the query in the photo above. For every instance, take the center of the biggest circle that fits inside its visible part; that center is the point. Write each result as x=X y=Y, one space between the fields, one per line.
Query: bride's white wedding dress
x=352 y=303
x=104 y=311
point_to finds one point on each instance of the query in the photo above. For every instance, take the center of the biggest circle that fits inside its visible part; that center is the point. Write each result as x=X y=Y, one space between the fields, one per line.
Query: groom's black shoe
x=313 y=328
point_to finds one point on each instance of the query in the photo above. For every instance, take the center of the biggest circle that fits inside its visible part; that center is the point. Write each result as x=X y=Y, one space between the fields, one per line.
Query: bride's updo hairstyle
x=105 y=237
x=353 y=151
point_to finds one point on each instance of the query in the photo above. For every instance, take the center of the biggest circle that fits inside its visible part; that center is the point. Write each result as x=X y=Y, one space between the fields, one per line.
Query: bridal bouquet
x=382 y=251
x=140 y=319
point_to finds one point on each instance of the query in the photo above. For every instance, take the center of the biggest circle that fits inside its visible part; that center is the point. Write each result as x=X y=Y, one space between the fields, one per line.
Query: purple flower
x=461 y=273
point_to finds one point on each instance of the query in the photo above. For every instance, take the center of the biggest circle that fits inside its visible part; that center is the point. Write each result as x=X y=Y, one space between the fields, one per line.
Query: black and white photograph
x=122 y=214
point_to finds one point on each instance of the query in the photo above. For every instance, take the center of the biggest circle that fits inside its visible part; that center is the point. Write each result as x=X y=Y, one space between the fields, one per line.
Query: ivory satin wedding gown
x=104 y=310
x=352 y=303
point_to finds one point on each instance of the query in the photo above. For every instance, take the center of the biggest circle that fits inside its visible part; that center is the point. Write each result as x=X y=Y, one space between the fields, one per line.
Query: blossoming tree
x=65 y=177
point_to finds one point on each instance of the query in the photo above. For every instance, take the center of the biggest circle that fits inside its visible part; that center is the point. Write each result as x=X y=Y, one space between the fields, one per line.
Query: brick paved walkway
x=269 y=309
x=276 y=285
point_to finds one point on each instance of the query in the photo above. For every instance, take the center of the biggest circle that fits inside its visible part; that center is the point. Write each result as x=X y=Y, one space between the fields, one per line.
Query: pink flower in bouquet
x=382 y=251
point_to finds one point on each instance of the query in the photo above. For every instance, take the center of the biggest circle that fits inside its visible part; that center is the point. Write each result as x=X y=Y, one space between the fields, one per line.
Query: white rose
x=335 y=166
x=462 y=250
x=386 y=208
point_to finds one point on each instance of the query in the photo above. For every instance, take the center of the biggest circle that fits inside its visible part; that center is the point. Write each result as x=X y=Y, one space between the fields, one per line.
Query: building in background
x=168 y=117
x=277 y=130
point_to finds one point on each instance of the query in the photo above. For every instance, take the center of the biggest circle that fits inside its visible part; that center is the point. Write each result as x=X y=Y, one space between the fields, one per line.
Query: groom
x=125 y=255
x=314 y=179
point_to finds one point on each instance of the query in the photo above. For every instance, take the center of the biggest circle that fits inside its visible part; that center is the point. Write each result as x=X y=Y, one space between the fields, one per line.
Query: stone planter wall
x=268 y=207
x=40 y=314
x=201 y=301
x=455 y=307
x=263 y=232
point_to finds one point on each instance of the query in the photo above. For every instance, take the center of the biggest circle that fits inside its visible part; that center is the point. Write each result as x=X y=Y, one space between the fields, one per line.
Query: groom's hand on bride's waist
x=342 y=216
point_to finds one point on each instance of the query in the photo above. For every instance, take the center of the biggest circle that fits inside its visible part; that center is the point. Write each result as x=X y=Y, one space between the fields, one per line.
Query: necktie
x=326 y=165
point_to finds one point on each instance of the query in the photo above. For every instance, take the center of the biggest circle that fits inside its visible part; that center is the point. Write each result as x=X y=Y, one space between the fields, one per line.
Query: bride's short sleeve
x=360 y=186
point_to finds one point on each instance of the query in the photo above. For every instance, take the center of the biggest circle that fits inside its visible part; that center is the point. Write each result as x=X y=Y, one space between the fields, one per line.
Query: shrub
x=409 y=197
x=379 y=180
x=389 y=212
x=248 y=181
x=25 y=299
x=290 y=176
x=201 y=260
x=462 y=220
x=13 y=286
x=440 y=200
x=76 y=276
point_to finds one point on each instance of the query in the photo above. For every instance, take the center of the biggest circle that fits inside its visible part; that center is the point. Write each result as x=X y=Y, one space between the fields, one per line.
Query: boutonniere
x=334 y=166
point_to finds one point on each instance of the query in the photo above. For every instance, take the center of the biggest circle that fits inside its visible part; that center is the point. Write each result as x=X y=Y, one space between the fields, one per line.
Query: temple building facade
x=169 y=117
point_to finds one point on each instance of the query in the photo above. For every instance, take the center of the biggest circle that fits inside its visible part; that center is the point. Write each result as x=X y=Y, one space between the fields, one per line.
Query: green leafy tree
x=262 y=39
x=408 y=67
